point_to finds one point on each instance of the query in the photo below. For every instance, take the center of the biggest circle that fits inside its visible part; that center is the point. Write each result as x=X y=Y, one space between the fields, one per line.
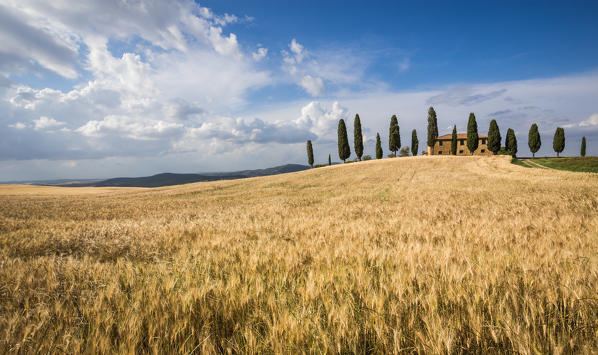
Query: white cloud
x=314 y=86
x=297 y=50
x=260 y=54
x=319 y=120
x=46 y=122
x=18 y=125
x=340 y=69
x=133 y=128
x=590 y=122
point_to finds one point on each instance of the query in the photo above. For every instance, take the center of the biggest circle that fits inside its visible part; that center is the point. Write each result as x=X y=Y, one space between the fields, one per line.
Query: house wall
x=443 y=147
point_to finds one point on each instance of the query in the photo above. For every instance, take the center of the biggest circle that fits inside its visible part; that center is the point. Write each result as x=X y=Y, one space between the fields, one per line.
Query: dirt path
x=533 y=164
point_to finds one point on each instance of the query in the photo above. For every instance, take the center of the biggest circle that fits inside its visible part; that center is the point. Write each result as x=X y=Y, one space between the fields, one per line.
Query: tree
x=414 y=142
x=583 y=146
x=343 y=142
x=379 y=153
x=329 y=160
x=454 y=141
x=432 y=127
x=494 y=137
x=472 y=134
x=310 y=154
x=511 y=142
x=357 y=137
x=394 y=137
x=533 y=140
x=558 y=142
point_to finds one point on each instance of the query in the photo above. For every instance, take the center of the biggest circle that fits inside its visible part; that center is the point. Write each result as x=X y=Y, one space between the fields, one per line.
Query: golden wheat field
x=425 y=254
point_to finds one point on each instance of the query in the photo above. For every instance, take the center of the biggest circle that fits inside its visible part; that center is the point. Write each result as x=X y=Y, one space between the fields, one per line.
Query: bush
x=504 y=151
x=404 y=152
x=319 y=165
x=392 y=155
x=366 y=157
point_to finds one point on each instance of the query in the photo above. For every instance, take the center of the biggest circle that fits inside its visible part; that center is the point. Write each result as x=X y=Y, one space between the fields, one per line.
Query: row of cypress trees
x=494 y=138
x=394 y=139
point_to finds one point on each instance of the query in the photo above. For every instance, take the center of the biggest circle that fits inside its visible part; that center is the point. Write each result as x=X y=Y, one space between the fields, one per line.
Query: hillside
x=424 y=254
x=585 y=164
x=169 y=179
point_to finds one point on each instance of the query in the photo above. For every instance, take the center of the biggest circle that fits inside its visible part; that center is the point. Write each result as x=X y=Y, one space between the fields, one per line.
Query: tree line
x=394 y=139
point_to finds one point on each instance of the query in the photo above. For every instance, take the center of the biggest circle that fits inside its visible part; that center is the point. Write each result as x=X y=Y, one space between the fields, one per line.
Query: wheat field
x=424 y=254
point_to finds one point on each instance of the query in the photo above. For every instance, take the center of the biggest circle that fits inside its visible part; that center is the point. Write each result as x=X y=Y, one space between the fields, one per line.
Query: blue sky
x=116 y=88
x=445 y=42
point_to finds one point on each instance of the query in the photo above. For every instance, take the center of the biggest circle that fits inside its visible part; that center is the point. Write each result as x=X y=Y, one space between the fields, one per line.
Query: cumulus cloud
x=134 y=128
x=314 y=86
x=182 y=70
x=297 y=50
x=319 y=120
x=260 y=54
x=46 y=122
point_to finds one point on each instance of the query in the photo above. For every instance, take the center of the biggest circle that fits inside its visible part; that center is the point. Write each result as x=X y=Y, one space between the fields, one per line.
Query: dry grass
x=431 y=255
x=20 y=190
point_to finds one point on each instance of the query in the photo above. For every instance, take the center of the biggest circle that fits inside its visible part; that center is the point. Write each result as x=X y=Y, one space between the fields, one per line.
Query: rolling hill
x=169 y=179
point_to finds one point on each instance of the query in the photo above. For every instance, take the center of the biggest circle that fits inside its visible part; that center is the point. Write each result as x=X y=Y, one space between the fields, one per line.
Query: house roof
x=448 y=137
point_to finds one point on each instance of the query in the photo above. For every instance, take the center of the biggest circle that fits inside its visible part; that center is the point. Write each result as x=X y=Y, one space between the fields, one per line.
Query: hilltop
x=430 y=254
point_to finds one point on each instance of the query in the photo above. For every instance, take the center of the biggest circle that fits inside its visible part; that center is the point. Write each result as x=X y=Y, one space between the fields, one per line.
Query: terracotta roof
x=448 y=137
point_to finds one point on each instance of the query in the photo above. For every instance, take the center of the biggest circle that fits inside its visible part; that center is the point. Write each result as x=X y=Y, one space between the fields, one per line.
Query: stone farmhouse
x=443 y=145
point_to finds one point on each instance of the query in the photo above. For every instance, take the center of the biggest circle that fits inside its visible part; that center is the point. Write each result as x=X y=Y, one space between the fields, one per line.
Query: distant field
x=586 y=164
x=21 y=190
x=425 y=254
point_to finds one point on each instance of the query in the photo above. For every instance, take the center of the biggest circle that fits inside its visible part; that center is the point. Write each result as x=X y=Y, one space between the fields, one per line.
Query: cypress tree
x=432 y=127
x=378 y=147
x=472 y=134
x=454 y=141
x=533 y=140
x=310 y=154
x=357 y=137
x=511 y=142
x=343 y=142
x=583 y=146
x=558 y=142
x=494 y=137
x=329 y=160
x=394 y=137
x=414 y=143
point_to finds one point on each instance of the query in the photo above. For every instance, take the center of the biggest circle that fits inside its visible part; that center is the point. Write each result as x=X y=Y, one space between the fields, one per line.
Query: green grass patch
x=519 y=162
x=586 y=164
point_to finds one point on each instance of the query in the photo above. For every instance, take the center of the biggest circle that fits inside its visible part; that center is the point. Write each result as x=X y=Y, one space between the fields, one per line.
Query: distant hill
x=168 y=179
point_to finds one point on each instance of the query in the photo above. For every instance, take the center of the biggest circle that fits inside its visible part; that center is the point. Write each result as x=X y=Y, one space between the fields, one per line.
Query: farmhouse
x=443 y=145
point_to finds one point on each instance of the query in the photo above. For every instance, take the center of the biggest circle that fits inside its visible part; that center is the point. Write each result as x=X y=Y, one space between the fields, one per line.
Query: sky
x=99 y=89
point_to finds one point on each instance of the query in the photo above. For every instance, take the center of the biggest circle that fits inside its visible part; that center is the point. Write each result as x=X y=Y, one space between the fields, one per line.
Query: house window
x=483 y=140
x=440 y=153
x=461 y=151
x=462 y=141
x=483 y=150
x=440 y=143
